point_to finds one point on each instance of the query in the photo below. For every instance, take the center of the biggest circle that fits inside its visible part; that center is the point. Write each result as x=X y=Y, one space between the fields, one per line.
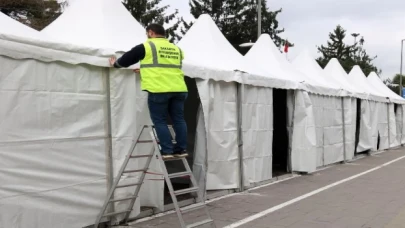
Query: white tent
x=107 y=25
x=372 y=119
x=220 y=65
x=13 y=27
x=395 y=112
x=335 y=73
x=53 y=137
x=326 y=113
x=266 y=55
x=305 y=63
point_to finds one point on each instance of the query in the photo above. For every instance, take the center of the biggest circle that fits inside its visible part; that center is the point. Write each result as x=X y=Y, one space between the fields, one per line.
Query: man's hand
x=112 y=60
x=137 y=71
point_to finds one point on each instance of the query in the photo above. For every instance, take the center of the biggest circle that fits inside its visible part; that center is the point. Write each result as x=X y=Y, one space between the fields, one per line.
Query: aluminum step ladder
x=153 y=141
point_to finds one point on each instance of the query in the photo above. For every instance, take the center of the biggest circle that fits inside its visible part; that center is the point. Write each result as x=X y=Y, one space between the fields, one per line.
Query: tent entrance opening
x=280 y=132
x=358 y=121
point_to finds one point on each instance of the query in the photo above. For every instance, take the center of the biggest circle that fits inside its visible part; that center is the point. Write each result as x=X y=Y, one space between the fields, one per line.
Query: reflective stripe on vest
x=155 y=59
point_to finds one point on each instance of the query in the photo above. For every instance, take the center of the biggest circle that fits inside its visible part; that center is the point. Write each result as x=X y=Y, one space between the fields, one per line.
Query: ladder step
x=144 y=141
x=141 y=156
x=135 y=170
x=128 y=185
x=185 y=191
x=122 y=199
x=203 y=222
x=193 y=207
x=116 y=213
x=182 y=174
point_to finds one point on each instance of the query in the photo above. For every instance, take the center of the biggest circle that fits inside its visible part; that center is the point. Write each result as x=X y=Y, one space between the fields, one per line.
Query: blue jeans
x=162 y=104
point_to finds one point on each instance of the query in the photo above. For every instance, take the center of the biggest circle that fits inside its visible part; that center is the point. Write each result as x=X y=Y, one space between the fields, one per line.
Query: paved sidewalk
x=373 y=200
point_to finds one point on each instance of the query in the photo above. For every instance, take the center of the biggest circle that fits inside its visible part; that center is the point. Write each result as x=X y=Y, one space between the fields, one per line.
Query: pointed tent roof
x=265 y=54
x=209 y=55
x=107 y=25
x=307 y=64
x=13 y=27
x=357 y=78
x=335 y=72
x=378 y=85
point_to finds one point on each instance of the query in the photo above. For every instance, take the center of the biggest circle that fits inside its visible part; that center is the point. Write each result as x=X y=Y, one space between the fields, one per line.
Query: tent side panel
x=350 y=105
x=393 y=125
x=403 y=124
x=366 y=132
x=218 y=101
x=303 y=151
x=129 y=113
x=257 y=126
x=53 y=142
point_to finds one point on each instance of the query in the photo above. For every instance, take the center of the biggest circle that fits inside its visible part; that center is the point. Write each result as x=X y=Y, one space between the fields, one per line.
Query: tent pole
x=109 y=163
x=240 y=90
x=344 y=130
x=389 y=129
x=289 y=161
x=402 y=124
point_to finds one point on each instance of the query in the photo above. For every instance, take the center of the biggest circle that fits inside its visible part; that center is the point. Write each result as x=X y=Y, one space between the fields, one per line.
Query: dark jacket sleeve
x=131 y=57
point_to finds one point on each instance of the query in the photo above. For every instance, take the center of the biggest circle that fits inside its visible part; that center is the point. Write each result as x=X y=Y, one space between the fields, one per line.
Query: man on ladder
x=163 y=79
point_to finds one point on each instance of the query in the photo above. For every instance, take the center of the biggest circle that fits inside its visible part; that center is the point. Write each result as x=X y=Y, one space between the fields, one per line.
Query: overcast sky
x=308 y=23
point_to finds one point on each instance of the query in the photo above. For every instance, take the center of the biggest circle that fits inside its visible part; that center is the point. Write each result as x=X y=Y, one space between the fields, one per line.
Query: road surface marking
x=280 y=206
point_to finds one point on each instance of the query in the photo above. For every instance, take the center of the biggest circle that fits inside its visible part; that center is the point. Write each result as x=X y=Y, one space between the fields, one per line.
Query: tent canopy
x=357 y=78
x=107 y=25
x=265 y=54
x=13 y=27
x=209 y=55
x=335 y=72
x=379 y=86
x=305 y=63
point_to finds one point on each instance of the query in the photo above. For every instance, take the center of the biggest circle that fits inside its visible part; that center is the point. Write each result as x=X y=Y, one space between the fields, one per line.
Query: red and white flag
x=286 y=46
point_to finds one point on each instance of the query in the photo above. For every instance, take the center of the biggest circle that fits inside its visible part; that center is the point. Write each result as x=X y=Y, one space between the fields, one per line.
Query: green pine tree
x=394 y=83
x=35 y=13
x=150 y=11
x=237 y=19
x=348 y=55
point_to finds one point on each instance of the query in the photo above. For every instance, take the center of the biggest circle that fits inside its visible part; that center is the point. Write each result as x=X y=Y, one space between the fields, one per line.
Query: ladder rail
x=200 y=198
x=110 y=194
x=168 y=182
x=138 y=187
x=154 y=153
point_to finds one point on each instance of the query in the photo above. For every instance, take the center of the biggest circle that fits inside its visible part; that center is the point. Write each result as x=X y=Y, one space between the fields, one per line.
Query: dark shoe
x=167 y=156
x=182 y=154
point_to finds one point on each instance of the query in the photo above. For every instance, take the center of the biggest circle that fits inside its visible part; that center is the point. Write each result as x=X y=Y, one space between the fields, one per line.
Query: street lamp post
x=400 y=71
x=259 y=18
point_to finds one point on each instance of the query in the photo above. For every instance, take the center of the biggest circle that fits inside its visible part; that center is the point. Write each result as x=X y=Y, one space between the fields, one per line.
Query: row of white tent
x=67 y=119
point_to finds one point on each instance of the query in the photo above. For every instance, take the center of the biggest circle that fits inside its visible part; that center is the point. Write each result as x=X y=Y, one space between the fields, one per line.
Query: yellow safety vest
x=161 y=68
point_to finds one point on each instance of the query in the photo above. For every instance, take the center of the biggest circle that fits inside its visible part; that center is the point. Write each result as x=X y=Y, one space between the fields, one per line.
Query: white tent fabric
x=327 y=115
x=13 y=27
x=57 y=152
x=220 y=65
x=257 y=127
x=305 y=63
x=378 y=85
x=357 y=78
x=107 y=25
x=327 y=112
x=336 y=74
x=209 y=55
x=368 y=121
x=266 y=55
x=304 y=141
